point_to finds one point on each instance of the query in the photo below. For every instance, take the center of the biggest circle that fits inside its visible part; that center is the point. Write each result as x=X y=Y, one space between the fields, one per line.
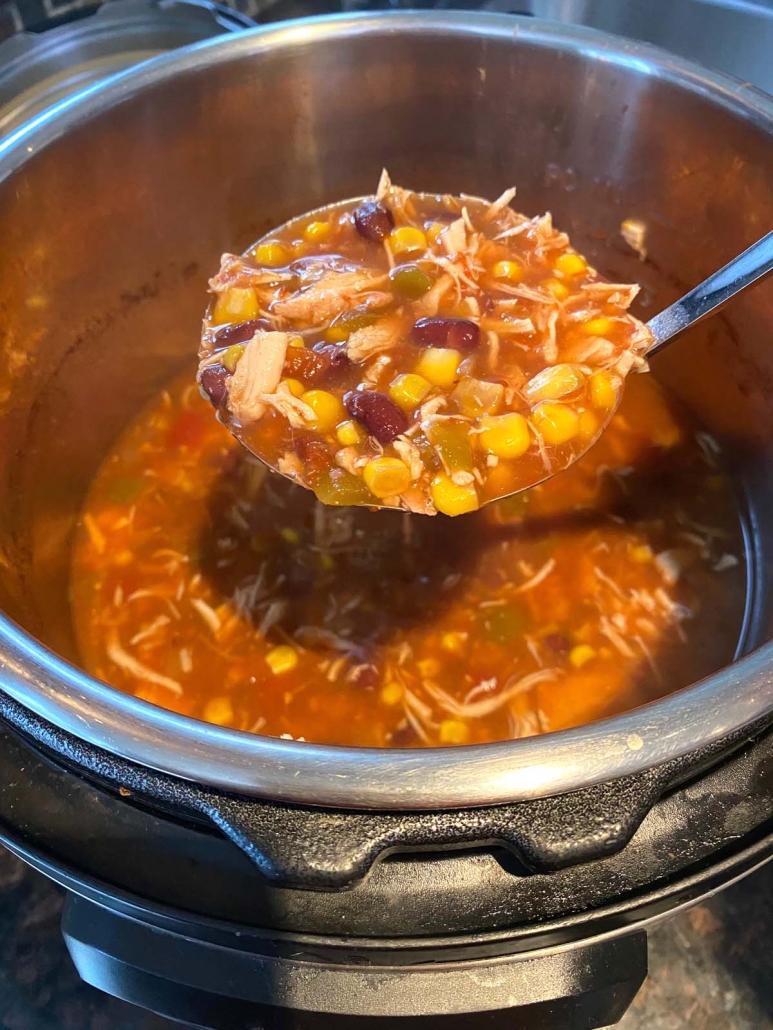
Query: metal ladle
x=710 y=295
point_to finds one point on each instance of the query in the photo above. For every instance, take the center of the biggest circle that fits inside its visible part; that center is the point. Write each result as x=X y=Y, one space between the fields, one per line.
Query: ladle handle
x=713 y=293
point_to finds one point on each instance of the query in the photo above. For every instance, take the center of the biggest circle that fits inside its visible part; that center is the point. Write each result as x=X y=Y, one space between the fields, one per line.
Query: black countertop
x=711 y=967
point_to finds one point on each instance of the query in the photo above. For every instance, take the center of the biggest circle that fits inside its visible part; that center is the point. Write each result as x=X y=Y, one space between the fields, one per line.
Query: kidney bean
x=214 y=380
x=558 y=643
x=380 y=415
x=373 y=221
x=335 y=354
x=240 y=332
x=312 y=366
x=314 y=454
x=459 y=333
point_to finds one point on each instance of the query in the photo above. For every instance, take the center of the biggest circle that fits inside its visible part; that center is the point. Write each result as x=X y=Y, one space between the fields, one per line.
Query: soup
x=203 y=583
x=422 y=352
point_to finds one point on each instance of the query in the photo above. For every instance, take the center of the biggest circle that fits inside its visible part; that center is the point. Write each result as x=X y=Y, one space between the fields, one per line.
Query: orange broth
x=205 y=584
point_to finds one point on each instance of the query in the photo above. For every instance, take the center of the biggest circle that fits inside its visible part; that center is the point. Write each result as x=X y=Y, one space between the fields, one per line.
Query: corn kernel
x=295 y=386
x=556 y=423
x=454 y=642
x=439 y=365
x=603 y=390
x=326 y=561
x=392 y=694
x=282 y=659
x=229 y=358
x=506 y=436
x=349 y=434
x=552 y=383
x=290 y=535
x=434 y=231
x=328 y=410
x=409 y=390
x=386 y=477
x=589 y=424
x=272 y=254
x=597 y=326
x=559 y=290
x=507 y=270
x=452 y=731
x=235 y=305
x=641 y=553
x=571 y=264
x=219 y=710
x=407 y=239
x=296 y=341
x=316 y=232
x=427 y=667
x=581 y=654
x=452 y=499
x=665 y=432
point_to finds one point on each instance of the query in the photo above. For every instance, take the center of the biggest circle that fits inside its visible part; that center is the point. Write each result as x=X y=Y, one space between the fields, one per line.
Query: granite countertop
x=711 y=967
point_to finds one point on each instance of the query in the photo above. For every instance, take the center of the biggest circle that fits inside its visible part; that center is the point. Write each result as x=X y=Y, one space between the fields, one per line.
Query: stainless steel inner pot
x=117 y=205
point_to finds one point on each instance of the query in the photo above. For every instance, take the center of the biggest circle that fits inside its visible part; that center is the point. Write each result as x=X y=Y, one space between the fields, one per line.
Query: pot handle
x=329 y=849
x=228 y=18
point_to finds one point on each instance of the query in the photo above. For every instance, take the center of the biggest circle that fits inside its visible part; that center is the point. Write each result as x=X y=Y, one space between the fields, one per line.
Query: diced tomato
x=189 y=430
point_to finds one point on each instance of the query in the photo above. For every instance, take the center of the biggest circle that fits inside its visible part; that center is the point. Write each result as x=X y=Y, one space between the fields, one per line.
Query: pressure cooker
x=234 y=881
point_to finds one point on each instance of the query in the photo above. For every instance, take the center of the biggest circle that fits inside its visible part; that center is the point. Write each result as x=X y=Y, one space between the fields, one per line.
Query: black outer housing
x=473 y=915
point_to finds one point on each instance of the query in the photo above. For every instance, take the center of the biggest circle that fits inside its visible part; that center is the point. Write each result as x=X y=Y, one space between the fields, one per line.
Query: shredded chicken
x=296 y=411
x=207 y=613
x=537 y=578
x=373 y=373
x=550 y=346
x=332 y=294
x=347 y=457
x=429 y=305
x=394 y=197
x=500 y=204
x=454 y=238
x=236 y=271
x=480 y=709
x=414 y=500
x=410 y=455
x=374 y=339
x=258 y=372
x=130 y=664
x=290 y=465
x=620 y=294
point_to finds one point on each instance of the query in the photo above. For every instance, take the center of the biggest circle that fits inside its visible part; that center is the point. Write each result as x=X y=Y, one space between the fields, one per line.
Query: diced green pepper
x=452 y=442
x=337 y=486
x=502 y=625
x=126 y=489
x=411 y=281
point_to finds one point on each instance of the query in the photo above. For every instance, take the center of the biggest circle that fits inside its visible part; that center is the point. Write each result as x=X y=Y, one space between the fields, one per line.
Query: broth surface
x=203 y=583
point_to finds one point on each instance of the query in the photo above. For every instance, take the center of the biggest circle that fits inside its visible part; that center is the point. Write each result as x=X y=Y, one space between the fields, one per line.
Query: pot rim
x=483 y=774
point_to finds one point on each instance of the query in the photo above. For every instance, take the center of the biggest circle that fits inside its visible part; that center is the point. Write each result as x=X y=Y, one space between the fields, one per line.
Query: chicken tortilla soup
x=208 y=585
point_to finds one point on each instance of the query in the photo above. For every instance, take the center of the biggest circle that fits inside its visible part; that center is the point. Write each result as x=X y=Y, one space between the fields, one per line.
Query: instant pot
x=235 y=881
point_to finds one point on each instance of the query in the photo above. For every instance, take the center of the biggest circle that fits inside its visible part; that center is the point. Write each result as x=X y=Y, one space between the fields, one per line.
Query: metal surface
x=39 y=69
x=141 y=184
x=731 y=36
x=713 y=293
